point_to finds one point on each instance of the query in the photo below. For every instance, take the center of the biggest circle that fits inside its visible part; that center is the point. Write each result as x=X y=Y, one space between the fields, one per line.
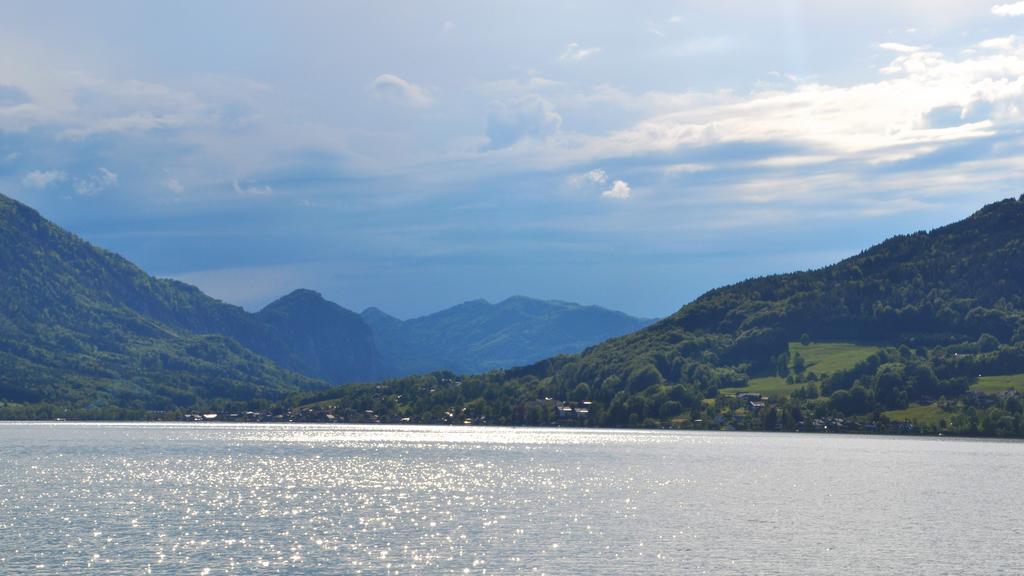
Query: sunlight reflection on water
x=171 y=498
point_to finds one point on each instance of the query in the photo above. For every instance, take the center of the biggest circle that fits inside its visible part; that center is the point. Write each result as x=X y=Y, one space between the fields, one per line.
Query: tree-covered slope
x=960 y=280
x=86 y=329
x=942 y=307
x=478 y=336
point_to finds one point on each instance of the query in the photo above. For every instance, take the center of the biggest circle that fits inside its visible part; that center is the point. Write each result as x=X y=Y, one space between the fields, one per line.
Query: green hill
x=85 y=331
x=940 y=307
x=479 y=336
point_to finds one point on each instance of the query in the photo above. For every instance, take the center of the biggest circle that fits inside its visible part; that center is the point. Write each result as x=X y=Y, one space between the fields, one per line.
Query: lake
x=346 y=499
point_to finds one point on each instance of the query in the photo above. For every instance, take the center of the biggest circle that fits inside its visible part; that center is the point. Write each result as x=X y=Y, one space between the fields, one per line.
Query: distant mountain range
x=478 y=336
x=85 y=331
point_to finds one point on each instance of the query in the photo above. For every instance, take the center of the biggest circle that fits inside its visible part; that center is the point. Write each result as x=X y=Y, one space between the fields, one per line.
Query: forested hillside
x=84 y=331
x=936 y=308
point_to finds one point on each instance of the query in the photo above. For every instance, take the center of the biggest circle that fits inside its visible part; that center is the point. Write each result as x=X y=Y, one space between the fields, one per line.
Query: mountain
x=324 y=340
x=879 y=336
x=84 y=329
x=478 y=336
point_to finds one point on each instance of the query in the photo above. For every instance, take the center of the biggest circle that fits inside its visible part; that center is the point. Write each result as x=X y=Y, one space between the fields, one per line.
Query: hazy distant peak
x=303 y=294
x=307 y=301
x=477 y=335
x=520 y=300
x=469 y=305
x=375 y=315
x=374 y=311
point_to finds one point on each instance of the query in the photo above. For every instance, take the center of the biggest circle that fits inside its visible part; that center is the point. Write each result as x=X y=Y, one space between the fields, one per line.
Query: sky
x=415 y=155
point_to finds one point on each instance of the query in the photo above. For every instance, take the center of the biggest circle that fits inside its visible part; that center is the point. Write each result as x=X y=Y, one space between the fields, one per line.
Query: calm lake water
x=240 y=499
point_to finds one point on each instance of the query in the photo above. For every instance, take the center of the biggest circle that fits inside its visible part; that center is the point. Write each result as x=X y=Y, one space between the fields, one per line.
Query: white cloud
x=213 y=124
x=922 y=104
x=593 y=177
x=92 y=185
x=861 y=122
x=867 y=121
x=174 y=186
x=41 y=179
x=596 y=176
x=687 y=168
x=84 y=186
x=397 y=90
x=1015 y=9
x=575 y=52
x=655 y=28
x=82 y=105
x=619 y=191
x=529 y=117
x=137 y=122
x=252 y=191
x=1004 y=43
x=898 y=47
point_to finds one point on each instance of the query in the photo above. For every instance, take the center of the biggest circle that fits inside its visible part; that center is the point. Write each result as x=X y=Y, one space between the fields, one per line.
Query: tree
x=644 y=377
x=805 y=339
x=799 y=365
x=581 y=392
x=840 y=401
x=924 y=380
x=782 y=365
x=987 y=343
x=860 y=400
x=670 y=409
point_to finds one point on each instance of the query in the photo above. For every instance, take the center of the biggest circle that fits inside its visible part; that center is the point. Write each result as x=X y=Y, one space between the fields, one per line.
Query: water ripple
x=241 y=499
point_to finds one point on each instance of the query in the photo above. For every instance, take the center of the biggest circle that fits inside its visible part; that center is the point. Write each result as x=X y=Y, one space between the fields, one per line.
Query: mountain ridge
x=83 y=328
x=477 y=336
x=924 y=314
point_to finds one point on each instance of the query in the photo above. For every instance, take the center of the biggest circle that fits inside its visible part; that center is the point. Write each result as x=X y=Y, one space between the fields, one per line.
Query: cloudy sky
x=414 y=155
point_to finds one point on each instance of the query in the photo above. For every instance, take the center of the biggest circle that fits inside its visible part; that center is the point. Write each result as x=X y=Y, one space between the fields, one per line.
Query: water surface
x=241 y=499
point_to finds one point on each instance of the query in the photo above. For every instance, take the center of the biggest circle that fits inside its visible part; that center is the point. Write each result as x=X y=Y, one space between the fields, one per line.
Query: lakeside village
x=742 y=411
x=568 y=414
